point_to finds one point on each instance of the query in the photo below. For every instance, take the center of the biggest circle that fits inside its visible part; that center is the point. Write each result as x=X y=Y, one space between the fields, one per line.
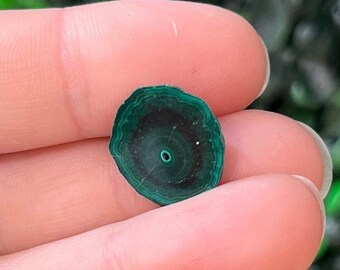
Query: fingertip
x=262 y=51
x=277 y=144
x=318 y=197
x=206 y=50
x=263 y=220
x=268 y=68
x=96 y=55
x=326 y=158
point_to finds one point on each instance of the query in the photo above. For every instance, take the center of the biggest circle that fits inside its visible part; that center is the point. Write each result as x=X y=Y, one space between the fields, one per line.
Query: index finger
x=64 y=72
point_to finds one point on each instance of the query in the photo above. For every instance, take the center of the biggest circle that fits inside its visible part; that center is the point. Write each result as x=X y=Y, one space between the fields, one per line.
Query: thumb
x=261 y=222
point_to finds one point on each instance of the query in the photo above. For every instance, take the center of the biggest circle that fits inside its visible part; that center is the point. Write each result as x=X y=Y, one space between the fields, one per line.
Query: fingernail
x=318 y=197
x=266 y=80
x=327 y=161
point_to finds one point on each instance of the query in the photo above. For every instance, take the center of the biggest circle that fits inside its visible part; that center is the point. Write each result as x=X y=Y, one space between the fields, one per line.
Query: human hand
x=63 y=75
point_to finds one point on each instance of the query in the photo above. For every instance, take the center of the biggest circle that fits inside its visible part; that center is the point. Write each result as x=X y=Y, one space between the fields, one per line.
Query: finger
x=72 y=68
x=57 y=192
x=262 y=221
x=260 y=142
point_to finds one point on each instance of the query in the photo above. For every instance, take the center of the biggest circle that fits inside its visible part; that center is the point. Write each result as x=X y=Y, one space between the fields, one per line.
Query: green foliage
x=21 y=4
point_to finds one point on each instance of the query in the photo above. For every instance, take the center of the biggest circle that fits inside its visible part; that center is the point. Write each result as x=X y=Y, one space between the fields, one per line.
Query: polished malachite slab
x=167 y=144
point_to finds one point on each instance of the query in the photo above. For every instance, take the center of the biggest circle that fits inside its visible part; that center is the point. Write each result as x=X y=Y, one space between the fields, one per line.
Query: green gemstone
x=167 y=144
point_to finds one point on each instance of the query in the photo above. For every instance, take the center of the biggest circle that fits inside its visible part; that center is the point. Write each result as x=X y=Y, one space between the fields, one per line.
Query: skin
x=63 y=203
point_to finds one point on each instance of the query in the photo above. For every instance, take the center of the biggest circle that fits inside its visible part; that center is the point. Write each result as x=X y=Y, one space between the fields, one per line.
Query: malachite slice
x=167 y=144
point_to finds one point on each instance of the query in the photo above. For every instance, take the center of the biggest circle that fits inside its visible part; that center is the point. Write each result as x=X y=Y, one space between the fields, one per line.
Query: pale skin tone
x=63 y=203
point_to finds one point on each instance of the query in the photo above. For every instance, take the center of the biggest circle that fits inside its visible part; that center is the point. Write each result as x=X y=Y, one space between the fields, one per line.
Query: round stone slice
x=167 y=144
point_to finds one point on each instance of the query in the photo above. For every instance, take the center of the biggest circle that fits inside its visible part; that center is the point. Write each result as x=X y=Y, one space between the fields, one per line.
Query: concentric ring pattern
x=167 y=144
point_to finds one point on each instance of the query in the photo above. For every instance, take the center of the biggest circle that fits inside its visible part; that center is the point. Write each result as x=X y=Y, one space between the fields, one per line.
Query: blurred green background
x=303 y=38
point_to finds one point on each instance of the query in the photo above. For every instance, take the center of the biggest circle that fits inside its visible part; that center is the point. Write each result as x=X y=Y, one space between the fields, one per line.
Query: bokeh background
x=303 y=39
